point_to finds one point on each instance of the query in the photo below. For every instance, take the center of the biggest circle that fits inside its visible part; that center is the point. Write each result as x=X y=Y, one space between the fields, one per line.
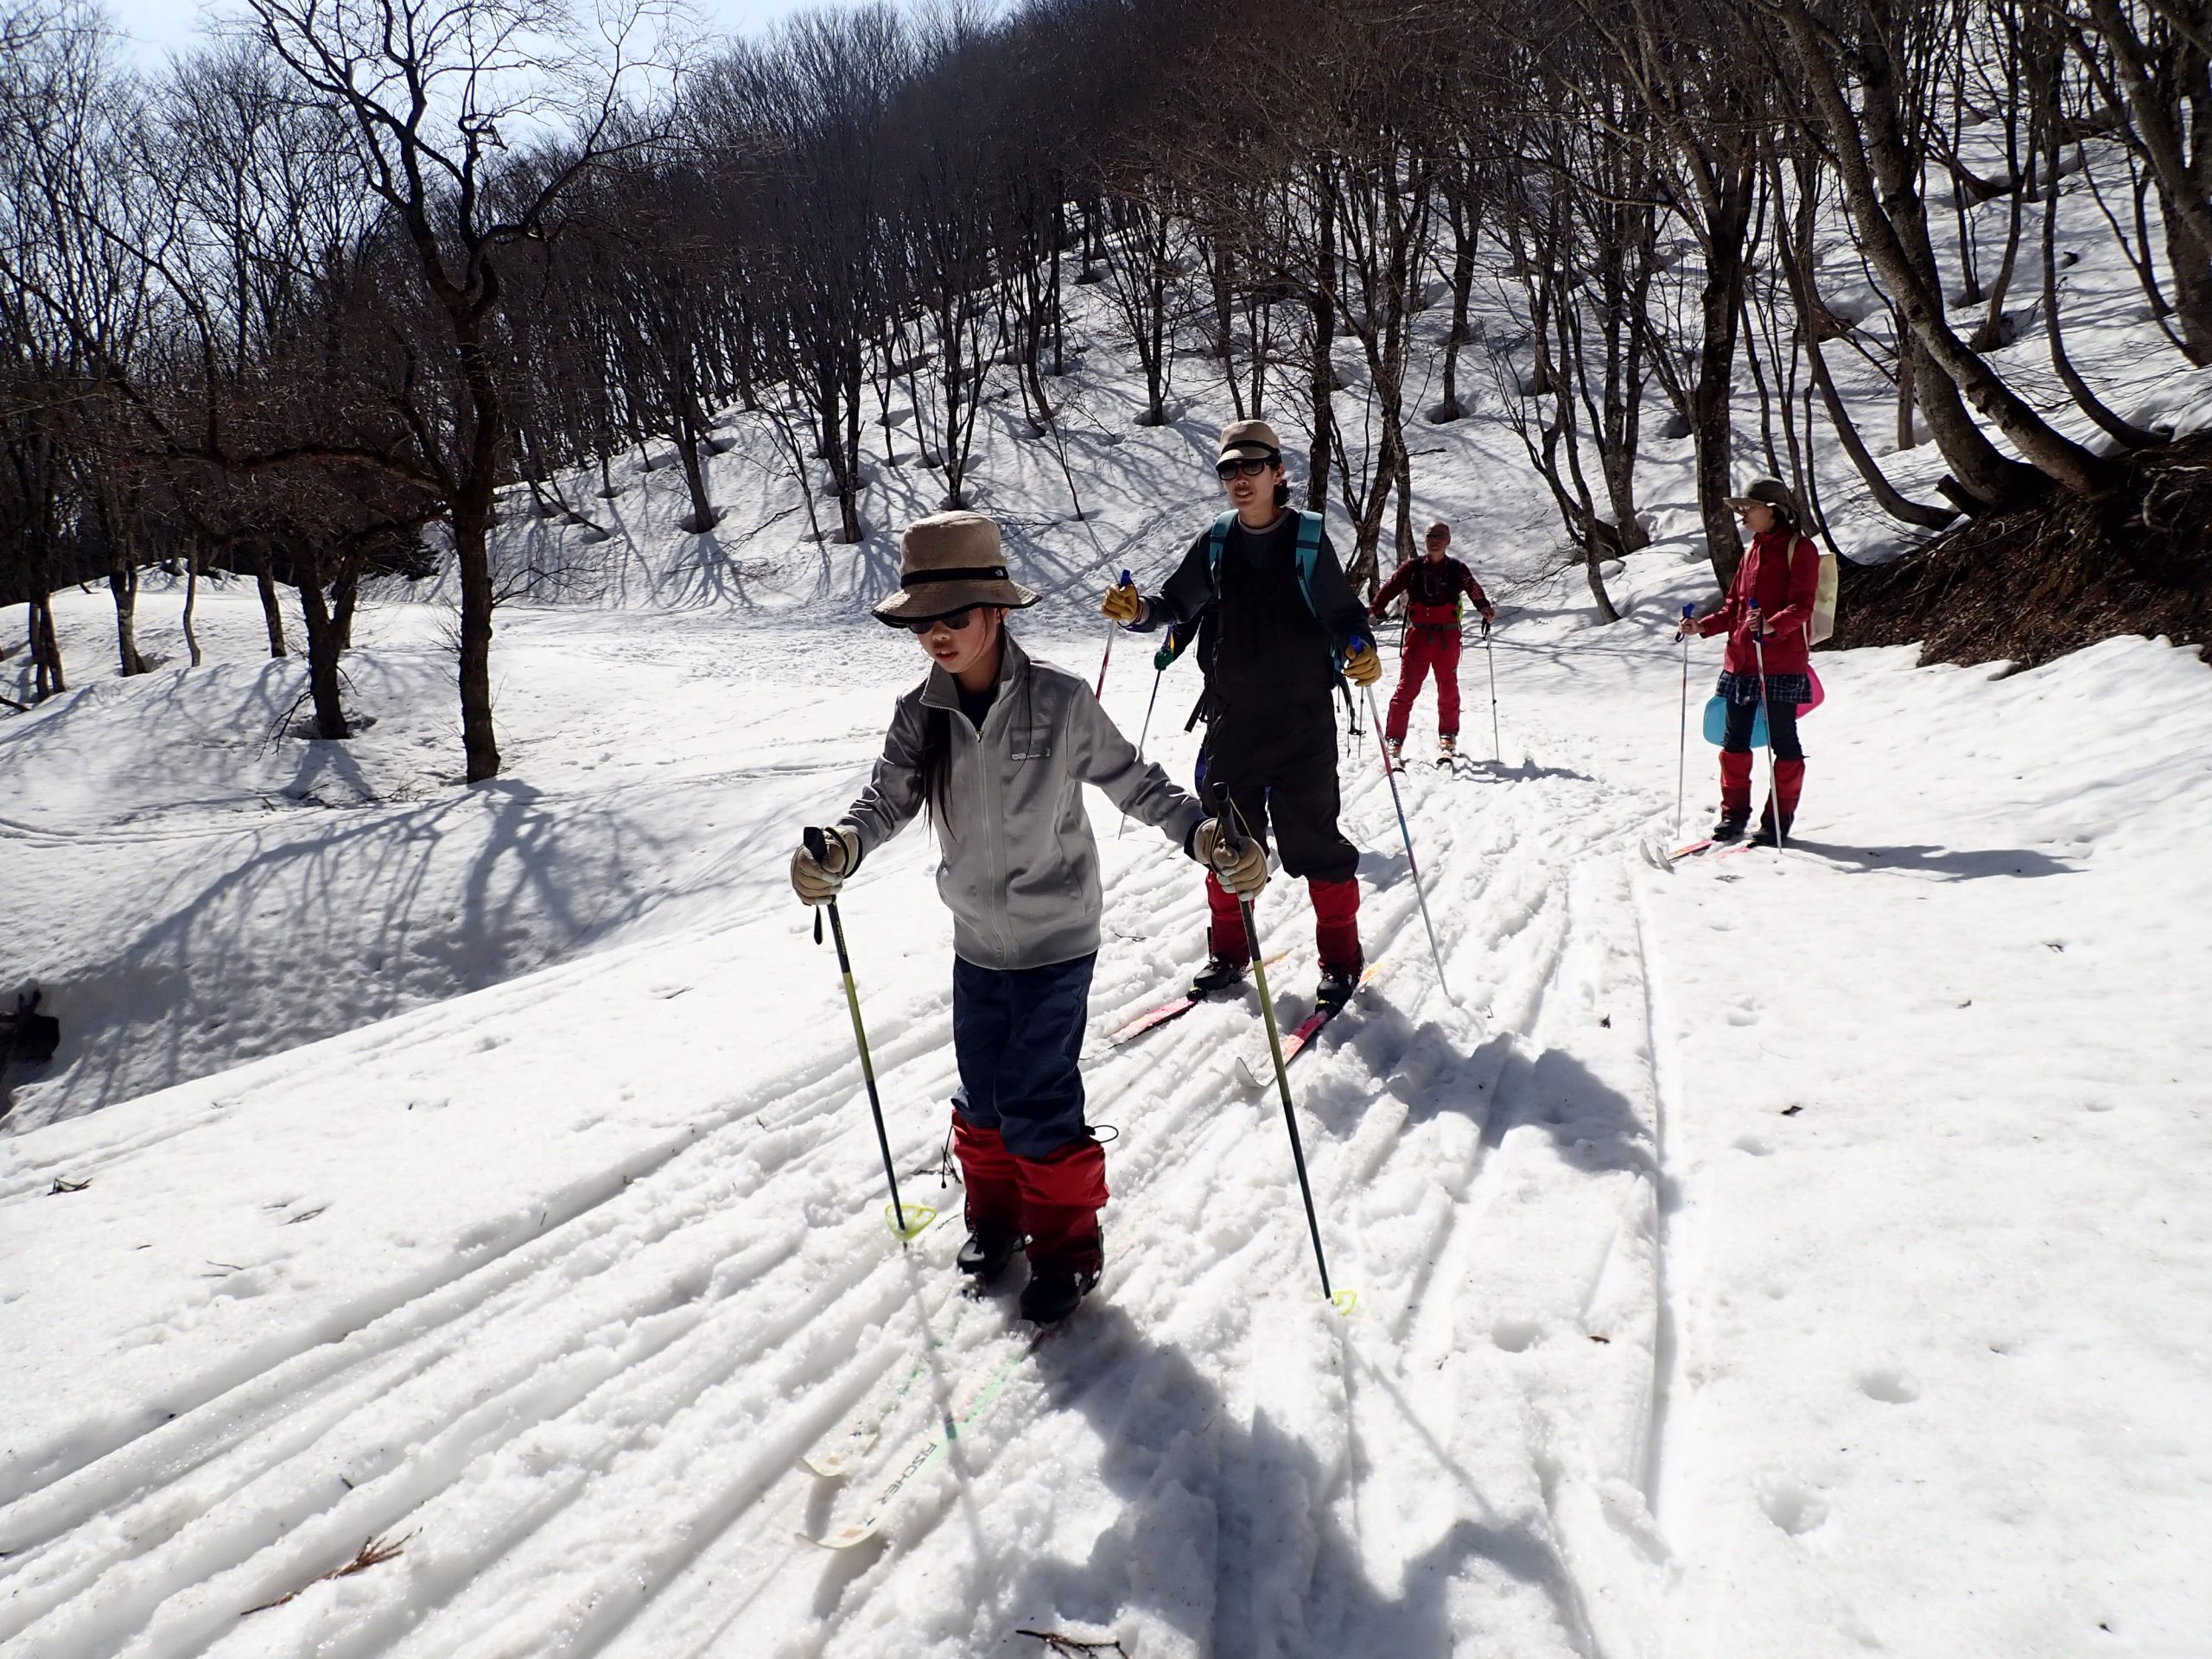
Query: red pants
x=1426 y=648
x=1336 y=922
x=1055 y=1201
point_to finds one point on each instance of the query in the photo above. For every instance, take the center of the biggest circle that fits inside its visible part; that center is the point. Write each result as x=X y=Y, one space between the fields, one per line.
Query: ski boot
x=1054 y=1291
x=1730 y=826
x=1338 y=983
x=1220 y=974
x=1764 y=835
x=1448 y=750
x=1393 y=753
x=985 y=1255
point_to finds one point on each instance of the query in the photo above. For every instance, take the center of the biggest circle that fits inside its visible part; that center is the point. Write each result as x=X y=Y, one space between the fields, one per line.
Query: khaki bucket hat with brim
x=1248 y=440
x=1769 y=493
x=947 y=562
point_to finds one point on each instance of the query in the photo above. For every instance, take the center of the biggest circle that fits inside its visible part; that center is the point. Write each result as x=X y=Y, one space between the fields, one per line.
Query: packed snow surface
x=1795 y=1252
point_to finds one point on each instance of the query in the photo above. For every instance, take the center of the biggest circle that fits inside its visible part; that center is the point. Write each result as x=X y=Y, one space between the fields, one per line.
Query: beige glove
x=1364 y=667
x=1123 y=604
x=818 y=881
x=1243 y=871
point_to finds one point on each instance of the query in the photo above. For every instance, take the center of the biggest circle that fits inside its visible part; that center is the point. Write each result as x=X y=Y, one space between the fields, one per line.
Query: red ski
x=1152 y=1019
x=1258 y=1070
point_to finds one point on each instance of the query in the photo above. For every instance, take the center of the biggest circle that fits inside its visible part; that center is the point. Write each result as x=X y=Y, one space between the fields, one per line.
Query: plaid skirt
x=1793 y=690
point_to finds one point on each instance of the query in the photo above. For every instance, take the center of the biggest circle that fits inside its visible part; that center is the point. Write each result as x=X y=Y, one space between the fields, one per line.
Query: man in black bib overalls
x=1283 y=619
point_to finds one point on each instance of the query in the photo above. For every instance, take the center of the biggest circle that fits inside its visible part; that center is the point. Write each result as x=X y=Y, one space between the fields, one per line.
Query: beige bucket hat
x=947 y=562
x=1248 y=440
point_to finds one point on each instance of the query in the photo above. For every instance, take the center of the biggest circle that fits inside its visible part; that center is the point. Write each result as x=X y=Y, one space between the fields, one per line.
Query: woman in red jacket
x=1767 y=612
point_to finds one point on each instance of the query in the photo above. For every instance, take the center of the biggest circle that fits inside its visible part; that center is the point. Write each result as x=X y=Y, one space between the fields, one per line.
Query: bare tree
x=430 y=89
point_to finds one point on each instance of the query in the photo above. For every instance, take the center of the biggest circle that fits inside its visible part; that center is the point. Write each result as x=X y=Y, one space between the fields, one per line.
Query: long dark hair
x=936 y=762
x=937 y=744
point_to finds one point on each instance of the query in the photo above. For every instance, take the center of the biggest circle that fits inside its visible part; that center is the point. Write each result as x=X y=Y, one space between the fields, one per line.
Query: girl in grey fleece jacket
x=995 y=748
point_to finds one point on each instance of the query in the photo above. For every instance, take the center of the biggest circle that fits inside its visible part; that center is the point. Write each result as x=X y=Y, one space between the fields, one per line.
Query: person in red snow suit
x=1769 y=610
x=996 y=747
x=1433 y=586
x=1281 y=624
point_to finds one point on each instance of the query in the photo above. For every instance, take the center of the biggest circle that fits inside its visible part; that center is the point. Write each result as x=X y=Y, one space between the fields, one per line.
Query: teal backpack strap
x=1216 y=539
x=1309 y=555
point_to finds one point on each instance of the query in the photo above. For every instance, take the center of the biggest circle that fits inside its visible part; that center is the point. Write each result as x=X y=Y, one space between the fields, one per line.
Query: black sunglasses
x=1250 y=466
x=954 y=619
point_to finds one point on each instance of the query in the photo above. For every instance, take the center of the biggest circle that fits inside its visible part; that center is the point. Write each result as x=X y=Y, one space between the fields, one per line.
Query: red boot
x=1061 y=1197
x=1229 y=953
x=1735 y=795
x=1788 y=785
x=992 y=1177
x=1336 y=924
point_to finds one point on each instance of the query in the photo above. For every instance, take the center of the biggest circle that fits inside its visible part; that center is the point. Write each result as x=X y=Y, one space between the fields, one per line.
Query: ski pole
x=1224 y=814
x=1773 y=783
x=1112 y=628
x=1682 y=749
x=1144 y=732
x=1497 y=748
x=817 y=844
x=1412 y=864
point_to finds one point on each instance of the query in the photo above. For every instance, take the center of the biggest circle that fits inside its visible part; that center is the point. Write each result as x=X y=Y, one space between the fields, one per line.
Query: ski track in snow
x=533 y=1419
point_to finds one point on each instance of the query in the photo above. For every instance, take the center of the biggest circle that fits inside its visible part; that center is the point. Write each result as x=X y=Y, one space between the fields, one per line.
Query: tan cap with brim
x=947 y=562
x=1252 y=439
x=1768 y=492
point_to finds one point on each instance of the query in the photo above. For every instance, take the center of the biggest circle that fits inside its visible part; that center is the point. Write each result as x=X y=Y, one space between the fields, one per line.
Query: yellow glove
x=1364 y=667
x=1243 y=871
x=816 y=880
x=1123 y=604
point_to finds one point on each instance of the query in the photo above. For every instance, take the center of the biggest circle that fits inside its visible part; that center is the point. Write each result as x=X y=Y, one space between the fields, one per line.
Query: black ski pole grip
x=1224 y=814
x=817 y=845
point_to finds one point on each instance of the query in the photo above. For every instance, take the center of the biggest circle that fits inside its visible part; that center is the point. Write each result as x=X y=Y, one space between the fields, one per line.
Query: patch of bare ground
x=2031 y=585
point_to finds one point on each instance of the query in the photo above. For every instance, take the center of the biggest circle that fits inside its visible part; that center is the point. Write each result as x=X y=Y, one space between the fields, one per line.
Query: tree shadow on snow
x=540 y=884
x=1231 y=1530
x=1943 y=863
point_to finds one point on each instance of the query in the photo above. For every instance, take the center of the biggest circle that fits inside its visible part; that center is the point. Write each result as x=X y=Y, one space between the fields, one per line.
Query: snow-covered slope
x=1789 y=1255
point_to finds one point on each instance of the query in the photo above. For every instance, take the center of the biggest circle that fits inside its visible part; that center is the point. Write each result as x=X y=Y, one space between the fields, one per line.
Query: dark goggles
x=1248 y=466
x=955 y=620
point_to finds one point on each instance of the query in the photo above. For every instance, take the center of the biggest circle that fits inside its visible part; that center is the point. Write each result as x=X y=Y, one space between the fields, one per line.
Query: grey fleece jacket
x=1018 y=869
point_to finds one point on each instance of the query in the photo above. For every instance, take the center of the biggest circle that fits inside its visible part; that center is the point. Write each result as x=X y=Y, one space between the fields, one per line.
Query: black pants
x=1781 y=725
x=1288 y=787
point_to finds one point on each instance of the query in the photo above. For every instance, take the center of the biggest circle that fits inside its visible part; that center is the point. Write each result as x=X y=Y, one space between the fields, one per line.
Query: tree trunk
x=1711 y=430
x=122 y=584
x=1463 y=287
x=1593 y=565
x=323 y=647
x=1907 y=384
x=1321 y=301
x=2190 y=262
x=345 y=595
x=700 y=519
x=272 y=613
x=472 y=515
x=47 y=678
x=192 y=602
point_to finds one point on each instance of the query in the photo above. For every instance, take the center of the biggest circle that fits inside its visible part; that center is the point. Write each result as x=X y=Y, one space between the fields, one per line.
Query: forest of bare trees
x=304 y=305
